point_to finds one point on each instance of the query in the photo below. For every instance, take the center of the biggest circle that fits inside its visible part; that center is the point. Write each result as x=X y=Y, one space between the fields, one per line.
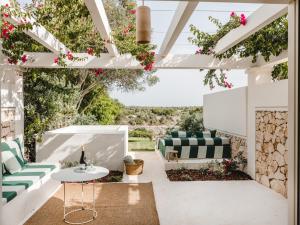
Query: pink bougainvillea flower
x=5 y=15
x=98 y=72
x=243 y=21
x=132 y=11
x=70 y=56
x=24 y=58
x=6 y=5
x=152 y=53
x=148 y=67
x=11 y=27
x=199 y=51
x=90 y=51
x=5 y=33
x=232 y=14
x=56 y=60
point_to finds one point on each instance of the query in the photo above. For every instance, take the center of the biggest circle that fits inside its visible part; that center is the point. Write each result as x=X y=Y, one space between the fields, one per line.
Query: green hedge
x=141 y=132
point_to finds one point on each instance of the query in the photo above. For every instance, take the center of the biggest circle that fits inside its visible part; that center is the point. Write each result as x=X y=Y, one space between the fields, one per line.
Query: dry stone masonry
x=271 y=150
x=238 y=144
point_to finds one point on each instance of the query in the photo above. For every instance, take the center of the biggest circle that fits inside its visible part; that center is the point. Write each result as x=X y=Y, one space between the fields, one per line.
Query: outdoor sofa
x=25 y=186
x=200 y=145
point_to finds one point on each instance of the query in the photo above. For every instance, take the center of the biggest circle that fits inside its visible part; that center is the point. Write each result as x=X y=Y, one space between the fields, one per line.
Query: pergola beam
x=263 y=16
x=46 y=60
x=180 y=18
x=40 y=34
x=97 y=11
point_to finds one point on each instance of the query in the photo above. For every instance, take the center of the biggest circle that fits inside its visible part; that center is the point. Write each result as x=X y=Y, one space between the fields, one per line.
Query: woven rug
x=116 y=204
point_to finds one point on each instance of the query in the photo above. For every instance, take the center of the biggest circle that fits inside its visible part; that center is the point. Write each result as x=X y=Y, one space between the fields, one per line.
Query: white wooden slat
x=181 y=16
x=46 y=60
x=41 y=35
x=263 y=16
x=101 y=22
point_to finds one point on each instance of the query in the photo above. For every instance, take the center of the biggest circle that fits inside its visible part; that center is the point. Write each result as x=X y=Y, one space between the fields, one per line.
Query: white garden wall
x=233 y=111
x=226 y=111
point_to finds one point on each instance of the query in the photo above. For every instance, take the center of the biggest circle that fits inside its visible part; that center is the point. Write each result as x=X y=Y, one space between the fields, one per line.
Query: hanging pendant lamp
x=143 y=25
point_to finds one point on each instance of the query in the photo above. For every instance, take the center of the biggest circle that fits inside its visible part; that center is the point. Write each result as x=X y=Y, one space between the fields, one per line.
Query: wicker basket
x=136 y=168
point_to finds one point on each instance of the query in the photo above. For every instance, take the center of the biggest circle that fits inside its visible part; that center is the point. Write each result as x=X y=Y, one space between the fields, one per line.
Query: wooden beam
x=101 y=22
x=41 y=35
x=181 y=16
x=209 y=62
x=46 y=60
x=263 y=16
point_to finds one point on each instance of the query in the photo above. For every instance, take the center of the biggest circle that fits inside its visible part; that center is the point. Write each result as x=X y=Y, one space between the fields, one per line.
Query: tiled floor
x=210 y=202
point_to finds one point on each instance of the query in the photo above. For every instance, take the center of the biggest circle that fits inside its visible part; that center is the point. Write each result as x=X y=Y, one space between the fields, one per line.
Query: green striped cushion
x=17 y=140
x=40 y=166
x=20 y=181
x=181 y=134
x=9 y=195
x=15 y=149
x=206 y=134
x=25 y=183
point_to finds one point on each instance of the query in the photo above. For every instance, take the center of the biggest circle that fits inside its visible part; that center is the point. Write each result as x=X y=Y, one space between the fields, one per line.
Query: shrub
x=192 y=122
x=141 y=132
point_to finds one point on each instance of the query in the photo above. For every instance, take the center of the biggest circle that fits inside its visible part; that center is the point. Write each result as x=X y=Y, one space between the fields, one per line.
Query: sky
x=182 y=87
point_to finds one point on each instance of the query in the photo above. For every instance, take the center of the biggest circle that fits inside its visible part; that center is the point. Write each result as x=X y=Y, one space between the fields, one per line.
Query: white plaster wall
x=226 y=111
x=107 y=147
x=263 y=94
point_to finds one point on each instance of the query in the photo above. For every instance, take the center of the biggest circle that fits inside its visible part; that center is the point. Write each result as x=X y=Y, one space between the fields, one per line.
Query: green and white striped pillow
x=11 y=162
x=181 y=134
x=12 y=157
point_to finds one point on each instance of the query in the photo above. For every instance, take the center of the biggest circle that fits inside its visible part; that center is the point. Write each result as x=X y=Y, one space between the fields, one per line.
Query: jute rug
x=116 y=204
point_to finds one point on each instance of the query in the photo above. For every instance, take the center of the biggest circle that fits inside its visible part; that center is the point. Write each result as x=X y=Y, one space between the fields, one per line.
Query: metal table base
x=80 y=209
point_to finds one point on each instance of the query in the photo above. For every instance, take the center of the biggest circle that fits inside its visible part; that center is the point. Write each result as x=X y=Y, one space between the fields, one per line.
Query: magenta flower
x=232 y=14
x=24 y=58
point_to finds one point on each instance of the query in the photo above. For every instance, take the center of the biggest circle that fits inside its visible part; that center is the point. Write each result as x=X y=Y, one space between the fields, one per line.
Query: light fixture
x=143 y=24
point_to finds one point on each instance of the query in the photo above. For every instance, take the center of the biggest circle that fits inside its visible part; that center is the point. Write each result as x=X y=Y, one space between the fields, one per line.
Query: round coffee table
x=77 y=175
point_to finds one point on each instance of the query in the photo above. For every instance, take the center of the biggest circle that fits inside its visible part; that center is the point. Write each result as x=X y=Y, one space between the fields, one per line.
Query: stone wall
x=271 y=150
x=238 y=143
x=7 y=123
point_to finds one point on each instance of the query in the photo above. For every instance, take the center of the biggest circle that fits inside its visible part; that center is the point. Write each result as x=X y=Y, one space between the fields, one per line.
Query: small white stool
x=173 y=153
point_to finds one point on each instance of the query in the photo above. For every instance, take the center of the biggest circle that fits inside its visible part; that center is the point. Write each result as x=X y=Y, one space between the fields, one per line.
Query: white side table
x=75 y=175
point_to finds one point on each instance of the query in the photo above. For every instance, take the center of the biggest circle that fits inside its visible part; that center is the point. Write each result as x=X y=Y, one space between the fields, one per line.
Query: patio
x=211 y=202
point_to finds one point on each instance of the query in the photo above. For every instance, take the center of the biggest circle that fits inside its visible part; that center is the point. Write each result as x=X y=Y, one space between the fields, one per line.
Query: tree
x=55 y=98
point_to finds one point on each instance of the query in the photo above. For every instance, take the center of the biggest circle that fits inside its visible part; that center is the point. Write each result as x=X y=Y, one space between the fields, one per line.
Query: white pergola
x=266 y=14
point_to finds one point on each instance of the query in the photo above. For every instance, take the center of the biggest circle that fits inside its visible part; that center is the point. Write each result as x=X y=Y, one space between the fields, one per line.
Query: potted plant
x=133 y=166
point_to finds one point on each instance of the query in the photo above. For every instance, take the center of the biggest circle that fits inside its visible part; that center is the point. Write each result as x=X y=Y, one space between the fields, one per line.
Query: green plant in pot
x=133 y=166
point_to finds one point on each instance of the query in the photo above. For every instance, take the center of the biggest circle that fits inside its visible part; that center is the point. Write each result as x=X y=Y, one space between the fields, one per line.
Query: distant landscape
x=148 y=123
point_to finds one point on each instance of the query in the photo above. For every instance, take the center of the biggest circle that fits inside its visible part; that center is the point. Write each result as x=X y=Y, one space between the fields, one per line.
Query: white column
x=293 y=164
x=256 y=76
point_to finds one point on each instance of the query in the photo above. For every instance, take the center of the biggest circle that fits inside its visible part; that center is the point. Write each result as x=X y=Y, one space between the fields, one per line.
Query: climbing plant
x=71 y=23
x=55 y=98
x=270 y=40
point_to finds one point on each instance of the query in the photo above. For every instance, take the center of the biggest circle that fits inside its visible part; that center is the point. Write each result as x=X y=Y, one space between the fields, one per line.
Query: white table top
x=70 y=175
